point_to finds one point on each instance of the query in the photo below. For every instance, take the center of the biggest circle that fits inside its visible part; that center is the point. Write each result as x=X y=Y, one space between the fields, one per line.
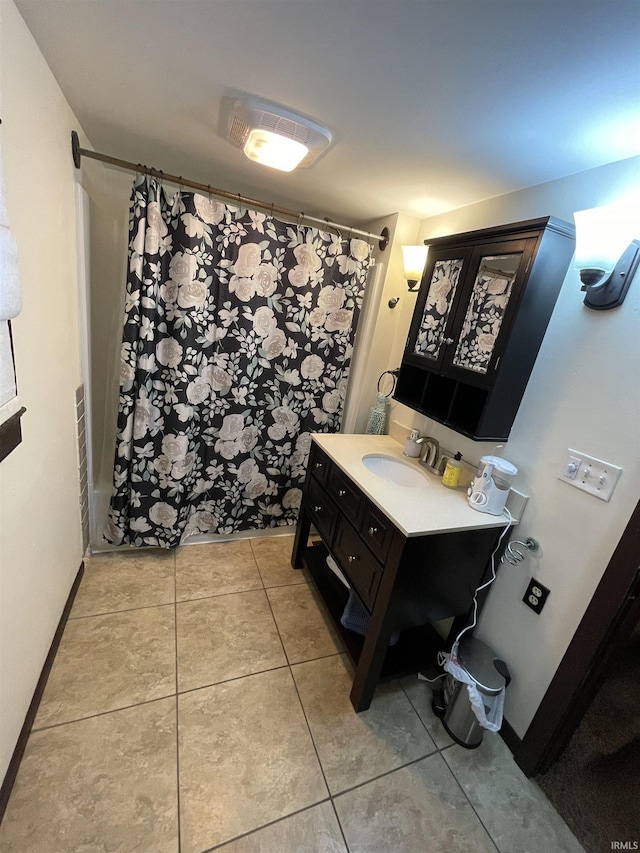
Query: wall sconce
x=414 y=258
x=607 y=254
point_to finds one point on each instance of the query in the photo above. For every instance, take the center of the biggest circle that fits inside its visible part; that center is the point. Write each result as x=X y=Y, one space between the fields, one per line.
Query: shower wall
x=106 y=247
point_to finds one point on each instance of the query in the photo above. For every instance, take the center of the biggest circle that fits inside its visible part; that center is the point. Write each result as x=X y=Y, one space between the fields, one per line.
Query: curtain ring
x=209 y=191
x=240 y=205
x=335 y=227
x=272 y=210
x=300 y=218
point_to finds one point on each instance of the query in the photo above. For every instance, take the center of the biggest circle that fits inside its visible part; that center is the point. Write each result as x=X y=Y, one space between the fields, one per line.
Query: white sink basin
x=395 y=471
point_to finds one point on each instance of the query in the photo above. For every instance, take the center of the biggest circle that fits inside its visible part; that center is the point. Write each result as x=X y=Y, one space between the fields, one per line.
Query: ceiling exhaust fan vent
x=238 y=131
x=253 y=114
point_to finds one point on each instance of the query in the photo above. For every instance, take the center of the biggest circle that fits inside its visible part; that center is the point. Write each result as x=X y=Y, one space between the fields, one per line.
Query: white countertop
x=430 y=509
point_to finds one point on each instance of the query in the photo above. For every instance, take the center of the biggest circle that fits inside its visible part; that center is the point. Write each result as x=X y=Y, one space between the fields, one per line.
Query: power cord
x=442 y=656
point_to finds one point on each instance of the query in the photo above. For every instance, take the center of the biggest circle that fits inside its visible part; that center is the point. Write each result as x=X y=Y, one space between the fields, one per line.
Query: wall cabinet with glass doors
x=482 y=311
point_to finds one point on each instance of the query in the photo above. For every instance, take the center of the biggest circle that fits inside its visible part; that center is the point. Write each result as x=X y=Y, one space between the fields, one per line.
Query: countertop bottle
x=451 y=476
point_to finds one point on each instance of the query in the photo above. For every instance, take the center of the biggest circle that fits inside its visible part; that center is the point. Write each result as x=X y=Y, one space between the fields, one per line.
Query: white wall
x=40 y=537
x=371 y=355
x=584 y=393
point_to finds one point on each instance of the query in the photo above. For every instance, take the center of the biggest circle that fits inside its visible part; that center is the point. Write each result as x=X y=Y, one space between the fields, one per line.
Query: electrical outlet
x=536 y=595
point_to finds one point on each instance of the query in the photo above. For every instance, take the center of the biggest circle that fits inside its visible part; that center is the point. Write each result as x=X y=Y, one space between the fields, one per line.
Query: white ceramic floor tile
x=246 y=758
x=315 y=830
x=225 y=637
x=273 y=556
x=124 y=580
x=250 y=776
x=354 y=748
x=514 y=810
x=215 y=569
x=304 y=628
x=415 y=809
x=109 y=662
x=104 y=784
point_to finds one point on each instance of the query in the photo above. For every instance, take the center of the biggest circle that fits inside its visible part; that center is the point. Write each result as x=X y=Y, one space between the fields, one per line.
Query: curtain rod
x=78 y=153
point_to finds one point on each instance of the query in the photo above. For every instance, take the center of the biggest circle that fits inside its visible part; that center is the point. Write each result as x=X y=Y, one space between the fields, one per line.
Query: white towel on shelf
x=334 y=568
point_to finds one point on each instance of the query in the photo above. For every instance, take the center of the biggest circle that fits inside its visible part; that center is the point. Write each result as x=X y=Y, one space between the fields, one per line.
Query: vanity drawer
x=377 y=531
x=362 y=570
x=346 y=494
x=322 y=510
x=319 y=464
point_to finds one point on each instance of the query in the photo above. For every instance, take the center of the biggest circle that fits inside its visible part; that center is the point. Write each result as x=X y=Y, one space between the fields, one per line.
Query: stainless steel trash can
x=490 y=675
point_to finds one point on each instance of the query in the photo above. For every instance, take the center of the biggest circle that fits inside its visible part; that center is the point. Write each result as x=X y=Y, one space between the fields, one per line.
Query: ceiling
x=434 y=104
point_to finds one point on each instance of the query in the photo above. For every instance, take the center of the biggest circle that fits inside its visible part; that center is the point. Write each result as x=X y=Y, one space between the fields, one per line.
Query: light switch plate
x=591 y=475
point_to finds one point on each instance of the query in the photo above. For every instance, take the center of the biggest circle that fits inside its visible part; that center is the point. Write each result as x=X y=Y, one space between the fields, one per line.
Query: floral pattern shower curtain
x=237 y=341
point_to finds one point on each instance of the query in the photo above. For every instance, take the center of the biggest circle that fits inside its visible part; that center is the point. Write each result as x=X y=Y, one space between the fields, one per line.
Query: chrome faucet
x=430 y=454
x=430 y=450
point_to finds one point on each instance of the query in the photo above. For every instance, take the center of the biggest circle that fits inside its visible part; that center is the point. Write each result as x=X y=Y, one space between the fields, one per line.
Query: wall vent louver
x=81 y=437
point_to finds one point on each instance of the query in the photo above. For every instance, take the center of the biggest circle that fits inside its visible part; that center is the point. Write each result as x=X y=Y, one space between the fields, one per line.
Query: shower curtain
x=238 y=335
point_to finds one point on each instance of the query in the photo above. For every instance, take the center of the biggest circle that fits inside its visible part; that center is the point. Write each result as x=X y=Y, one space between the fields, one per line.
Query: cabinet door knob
x=351 y=558
x=373 y=531
x=342 y=492
x=318 y=464
x=448 y=340
x=317 y=508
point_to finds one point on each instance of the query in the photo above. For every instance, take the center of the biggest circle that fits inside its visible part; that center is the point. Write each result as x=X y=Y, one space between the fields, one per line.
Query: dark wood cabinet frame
x=10 y=433
x=483 y=406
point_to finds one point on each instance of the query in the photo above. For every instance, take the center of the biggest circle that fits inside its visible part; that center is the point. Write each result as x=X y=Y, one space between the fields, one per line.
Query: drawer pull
x=351 y=558
x=317 y=508
x=373 y=531
x=342 y=492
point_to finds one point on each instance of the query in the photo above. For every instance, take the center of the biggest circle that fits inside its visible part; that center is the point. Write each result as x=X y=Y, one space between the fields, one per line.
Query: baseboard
x=508 y=735
x=18 y=752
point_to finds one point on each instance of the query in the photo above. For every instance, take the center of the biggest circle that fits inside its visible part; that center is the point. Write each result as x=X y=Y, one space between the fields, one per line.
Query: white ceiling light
x=275 y=136
x=271 y=149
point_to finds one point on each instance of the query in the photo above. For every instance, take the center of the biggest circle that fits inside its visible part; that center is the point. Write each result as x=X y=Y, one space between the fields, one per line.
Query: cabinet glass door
x=485 y=311
x=440 y=296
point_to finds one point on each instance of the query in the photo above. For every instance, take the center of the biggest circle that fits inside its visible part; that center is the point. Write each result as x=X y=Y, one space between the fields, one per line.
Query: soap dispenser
x=451 y=476
x=412 y=446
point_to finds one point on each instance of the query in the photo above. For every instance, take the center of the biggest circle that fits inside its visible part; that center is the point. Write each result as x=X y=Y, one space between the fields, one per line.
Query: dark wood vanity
x=405 y=579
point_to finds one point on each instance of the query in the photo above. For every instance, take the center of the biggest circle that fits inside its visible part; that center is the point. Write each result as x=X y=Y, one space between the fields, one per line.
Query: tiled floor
x=199 y=701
